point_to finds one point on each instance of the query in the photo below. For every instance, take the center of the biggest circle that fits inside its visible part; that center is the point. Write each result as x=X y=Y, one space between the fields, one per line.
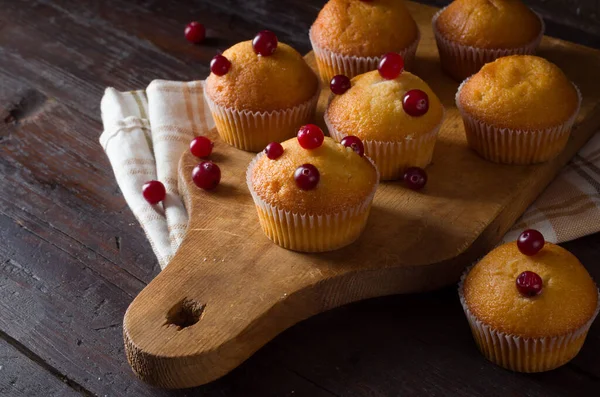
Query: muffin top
x=346 y=179
x=372 y=108
x=520 y=92
x=364 y=29
x=568 y=298
x=263 y=83
x=489 y=23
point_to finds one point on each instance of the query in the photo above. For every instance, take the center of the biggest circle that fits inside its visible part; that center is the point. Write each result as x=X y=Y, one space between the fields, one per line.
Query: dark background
x=72 y=256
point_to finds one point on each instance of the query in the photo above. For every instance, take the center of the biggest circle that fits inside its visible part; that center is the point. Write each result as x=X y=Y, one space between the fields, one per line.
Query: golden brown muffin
x=563 y=310
x=258 y=90
x=372 y=109
x=348 y=32
x=489 y=23
x=471 y=33
x=518 y=93
x=258 y=83
x=341 y=199
x=364 y=29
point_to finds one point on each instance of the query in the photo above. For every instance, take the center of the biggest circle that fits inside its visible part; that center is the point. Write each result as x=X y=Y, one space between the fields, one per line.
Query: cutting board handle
x=198 y=321
x=181 y=330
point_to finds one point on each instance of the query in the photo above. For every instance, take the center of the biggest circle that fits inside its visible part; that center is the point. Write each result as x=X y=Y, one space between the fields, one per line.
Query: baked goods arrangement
x=315 y=217
x=313 y=193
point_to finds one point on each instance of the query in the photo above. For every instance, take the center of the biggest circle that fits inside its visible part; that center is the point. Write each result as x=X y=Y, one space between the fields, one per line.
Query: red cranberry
x=310 y=136
x=355 y=143
x=415 y=178
x=220 y=65
x=154 y=192
x=206 y=175
x=339 y=84
x=195 y=32
x=415 y=103
x=265 y=43
x=201 y=146
x=307 y=177
x=530 y=242
x=391 y=65
x=529 y=284
x=274 y=150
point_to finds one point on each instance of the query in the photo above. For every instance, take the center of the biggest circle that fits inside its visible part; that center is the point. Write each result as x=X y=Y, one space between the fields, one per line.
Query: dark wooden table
x=72 y=256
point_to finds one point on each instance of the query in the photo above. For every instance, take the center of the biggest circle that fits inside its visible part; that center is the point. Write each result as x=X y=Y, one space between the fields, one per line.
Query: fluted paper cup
x=331 y=63
x=253 y=131
x=309 y=232
x=521 y=354
x=513 y=146
x=392 y=158
x=461 y=61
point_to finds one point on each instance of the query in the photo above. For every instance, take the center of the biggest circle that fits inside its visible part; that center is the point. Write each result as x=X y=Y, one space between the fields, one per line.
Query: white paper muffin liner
x=461 y=61
x=513 y=146
x=310 y=232
x=253 y=131
x=331 y=63
x=393 y=157
x=524 y=354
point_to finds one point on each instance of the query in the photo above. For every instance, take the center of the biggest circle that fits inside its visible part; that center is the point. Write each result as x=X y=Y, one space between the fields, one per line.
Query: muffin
x=312 y=200
x=518 y=110
x=471 y=33
x=349 y=36
x=260 y=99
x=377 y=111
x=529 y=313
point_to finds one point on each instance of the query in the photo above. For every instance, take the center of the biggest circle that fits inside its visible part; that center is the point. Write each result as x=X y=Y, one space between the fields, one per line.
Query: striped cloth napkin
x=145 y=133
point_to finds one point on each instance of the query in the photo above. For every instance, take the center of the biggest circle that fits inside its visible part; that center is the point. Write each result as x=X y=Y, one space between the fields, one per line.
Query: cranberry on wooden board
x=274 y=150
x=355 y=143
x=339 y=84
x=195 y=32
x=220 y=65
x=415 y=103
x=529 y=284
x=206 y=175
x=530 y=242
x=391 y=65
x=310 y=136
x=265 y=43
x=201 y=146
x=415 y=178
x=307 y=177
x=154 y=192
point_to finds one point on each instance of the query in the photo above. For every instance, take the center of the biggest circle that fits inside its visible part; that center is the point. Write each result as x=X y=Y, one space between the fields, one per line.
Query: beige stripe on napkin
x=177 y=114
x=570 y=207
x=127 y=143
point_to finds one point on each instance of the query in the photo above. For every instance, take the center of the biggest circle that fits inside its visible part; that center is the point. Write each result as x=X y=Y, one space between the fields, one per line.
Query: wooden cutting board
x=229 y=290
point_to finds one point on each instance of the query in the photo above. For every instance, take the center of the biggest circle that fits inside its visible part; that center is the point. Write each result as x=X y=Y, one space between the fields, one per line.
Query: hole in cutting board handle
x=185 y=313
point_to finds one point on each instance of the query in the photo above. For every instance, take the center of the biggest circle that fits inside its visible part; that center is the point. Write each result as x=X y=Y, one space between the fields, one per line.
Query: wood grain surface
x=229 y=290
x=72 y=256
